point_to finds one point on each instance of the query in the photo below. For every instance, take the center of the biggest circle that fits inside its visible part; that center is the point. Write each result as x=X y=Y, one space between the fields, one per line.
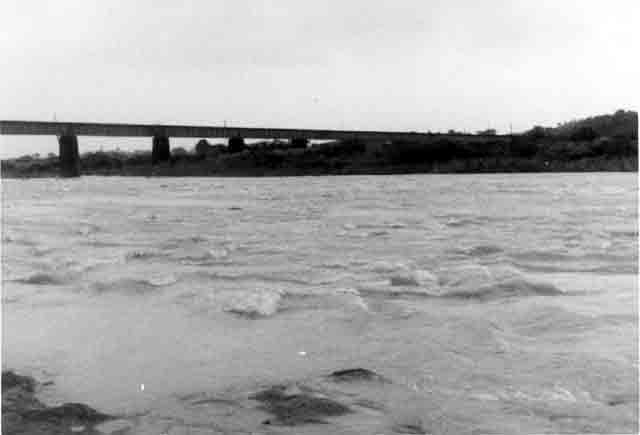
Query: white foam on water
x=258 y=303
x=414 y=278
x=163 y=280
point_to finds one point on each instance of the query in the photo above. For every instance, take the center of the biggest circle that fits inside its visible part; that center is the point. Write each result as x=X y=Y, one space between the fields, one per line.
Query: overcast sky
x=396 y=65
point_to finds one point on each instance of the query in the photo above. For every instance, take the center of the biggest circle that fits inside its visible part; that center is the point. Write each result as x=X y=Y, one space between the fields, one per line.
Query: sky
x=424 y=65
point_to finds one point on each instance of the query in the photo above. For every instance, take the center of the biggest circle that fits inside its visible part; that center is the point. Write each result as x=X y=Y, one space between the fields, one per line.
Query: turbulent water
x=490 y=303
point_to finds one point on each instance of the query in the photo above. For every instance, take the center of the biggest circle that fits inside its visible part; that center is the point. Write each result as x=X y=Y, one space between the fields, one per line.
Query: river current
x=491 y=303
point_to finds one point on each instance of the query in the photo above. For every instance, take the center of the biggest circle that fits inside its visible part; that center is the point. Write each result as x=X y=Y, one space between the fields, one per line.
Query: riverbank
x=345 y=159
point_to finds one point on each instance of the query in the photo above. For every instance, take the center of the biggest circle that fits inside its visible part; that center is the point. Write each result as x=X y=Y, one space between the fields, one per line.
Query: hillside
x=621 y=124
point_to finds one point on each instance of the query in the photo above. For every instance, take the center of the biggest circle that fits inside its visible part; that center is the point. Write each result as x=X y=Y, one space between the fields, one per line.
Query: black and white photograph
x=287 y=217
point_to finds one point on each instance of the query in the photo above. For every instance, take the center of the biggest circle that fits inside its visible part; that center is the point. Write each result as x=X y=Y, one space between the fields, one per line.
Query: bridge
x=68 y=132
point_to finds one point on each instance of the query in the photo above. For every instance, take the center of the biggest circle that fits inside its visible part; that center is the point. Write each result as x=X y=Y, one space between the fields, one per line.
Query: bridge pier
x=68 y=155
x=236 y=144
x=299 y=142
x=161 y=151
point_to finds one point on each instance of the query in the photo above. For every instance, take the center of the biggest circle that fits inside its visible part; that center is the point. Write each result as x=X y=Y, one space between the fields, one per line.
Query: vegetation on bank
x=601 y=143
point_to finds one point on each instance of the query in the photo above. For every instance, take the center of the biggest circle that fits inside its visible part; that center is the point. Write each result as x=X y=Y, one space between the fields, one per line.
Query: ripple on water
x=43 y=278
x=133 y=286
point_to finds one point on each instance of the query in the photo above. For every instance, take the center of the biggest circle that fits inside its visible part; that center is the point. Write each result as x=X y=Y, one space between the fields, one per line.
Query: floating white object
x=302 y=353
x=141 y=387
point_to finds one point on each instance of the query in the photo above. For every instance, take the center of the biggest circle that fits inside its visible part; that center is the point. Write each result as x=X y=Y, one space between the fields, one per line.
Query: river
x=491 y=303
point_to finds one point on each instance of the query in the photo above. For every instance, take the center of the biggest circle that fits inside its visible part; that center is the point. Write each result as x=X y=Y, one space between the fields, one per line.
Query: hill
x=621 y=124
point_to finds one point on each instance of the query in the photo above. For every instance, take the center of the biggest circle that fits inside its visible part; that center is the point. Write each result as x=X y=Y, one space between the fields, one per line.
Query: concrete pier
x=69 y=155
x=299 y=142
x=161 y=151
x=236 y=144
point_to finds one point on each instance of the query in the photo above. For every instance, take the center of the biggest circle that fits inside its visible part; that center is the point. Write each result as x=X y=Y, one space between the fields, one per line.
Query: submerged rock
x=68 y=412
x=23 y=413
x=11 y=380
x=299 y=408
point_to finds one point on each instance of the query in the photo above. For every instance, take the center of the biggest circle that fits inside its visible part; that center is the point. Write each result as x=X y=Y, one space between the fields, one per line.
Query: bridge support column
x=299 y=142
x=236 y=144
x=69 y=156
x=161 y=151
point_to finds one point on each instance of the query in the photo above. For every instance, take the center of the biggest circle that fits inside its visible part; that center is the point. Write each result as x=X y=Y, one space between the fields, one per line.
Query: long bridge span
x=68 y=132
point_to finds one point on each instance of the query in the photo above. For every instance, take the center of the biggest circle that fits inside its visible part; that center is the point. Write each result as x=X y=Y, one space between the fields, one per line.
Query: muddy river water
x=489 y=303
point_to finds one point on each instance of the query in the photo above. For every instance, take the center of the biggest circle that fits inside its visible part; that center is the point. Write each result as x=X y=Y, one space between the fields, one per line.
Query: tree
x=584 y=133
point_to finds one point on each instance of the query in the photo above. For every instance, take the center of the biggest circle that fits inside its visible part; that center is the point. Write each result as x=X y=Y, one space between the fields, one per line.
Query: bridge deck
x=148 y=130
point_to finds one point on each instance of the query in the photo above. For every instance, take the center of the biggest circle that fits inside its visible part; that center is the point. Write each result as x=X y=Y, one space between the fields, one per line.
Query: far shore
x=295 y=162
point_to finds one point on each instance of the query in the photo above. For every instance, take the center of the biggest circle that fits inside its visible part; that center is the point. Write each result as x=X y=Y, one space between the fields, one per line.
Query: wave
x=133 y=285
x=414 y=278
x=396 y=225
x=42 y=278
x=333 y=265
x=268 y=303
x=162 y=280
x=470 y=281
x=611 y=269
x=181 y=241
x=200 y=256
x=508 y=288
x=255 y=304
x=386 y=267
x=96 y=263
x=378 y=233
x=264 y=301
x=494 y=281
x=144 y=254
x=100 y=243
x=340 y=298
x=632 y=234
x=10 y=299
x=248 y=276
x=468 y=275
x=194 y=255
x=18 y=240
x=480 y=251
x=463 y=220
